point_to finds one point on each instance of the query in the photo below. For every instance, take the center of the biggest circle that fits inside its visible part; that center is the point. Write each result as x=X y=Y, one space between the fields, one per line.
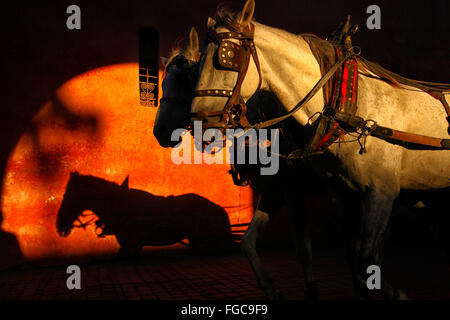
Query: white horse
x=289 y=71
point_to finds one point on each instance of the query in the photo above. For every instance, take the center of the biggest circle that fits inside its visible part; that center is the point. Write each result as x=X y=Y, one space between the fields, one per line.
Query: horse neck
x=289 y=69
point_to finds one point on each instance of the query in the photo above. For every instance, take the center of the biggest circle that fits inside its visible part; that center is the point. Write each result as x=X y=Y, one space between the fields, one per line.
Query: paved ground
x=181 y=275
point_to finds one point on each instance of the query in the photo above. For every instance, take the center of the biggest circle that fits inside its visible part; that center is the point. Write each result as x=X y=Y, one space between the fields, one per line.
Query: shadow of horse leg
x=299 y=216
x=256 y=227
x=373 y=227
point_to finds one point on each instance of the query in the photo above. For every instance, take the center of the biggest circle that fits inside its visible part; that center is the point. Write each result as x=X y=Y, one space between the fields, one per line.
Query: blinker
x=230 y=55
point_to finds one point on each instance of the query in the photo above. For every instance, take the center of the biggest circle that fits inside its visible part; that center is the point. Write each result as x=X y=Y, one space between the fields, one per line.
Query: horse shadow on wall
x=138 y=218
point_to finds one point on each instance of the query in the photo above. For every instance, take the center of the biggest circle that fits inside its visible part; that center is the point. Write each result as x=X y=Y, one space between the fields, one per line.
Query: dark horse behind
x=138 y=218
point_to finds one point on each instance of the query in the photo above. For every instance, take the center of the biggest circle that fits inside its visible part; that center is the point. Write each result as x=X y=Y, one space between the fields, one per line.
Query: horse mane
x=223 y=16
x=98 y=183
x=173 y=54
x=370 y=69
x=324 y=52
x=176 y=50
x=224 y=13
x=228 y=18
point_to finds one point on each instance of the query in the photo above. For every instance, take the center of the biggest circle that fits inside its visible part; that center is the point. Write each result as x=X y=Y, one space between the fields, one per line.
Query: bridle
x=234 y=57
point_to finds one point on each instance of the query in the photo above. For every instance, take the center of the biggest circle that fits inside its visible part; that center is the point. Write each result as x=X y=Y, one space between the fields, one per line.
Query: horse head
x=178 y=85
x=229 y=71
x=87 y=193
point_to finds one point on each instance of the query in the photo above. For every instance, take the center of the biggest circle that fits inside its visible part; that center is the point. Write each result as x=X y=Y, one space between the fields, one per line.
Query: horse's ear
x=74 y=173
x=164 y=61
x=124 y=184
x=211 y=23
x=246 y=15
x=193 y=47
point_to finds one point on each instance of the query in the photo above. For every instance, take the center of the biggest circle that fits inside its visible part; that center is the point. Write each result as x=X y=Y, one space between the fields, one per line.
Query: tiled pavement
x=181 y=275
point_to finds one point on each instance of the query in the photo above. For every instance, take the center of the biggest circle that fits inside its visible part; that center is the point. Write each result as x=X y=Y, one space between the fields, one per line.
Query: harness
x=336 y=119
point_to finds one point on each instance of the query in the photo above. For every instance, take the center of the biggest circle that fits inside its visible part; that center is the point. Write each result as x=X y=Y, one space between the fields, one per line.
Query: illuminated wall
x=94 y=125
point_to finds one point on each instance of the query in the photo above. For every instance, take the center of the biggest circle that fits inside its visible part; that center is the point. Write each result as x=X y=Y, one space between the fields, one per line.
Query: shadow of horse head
x=83 y=193
x=138 y=218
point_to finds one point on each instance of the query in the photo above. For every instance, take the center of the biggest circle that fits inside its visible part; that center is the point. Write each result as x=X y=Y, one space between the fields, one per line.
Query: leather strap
x=410 y=138
x=234 y=35
x=447 y=109
x=213 y=93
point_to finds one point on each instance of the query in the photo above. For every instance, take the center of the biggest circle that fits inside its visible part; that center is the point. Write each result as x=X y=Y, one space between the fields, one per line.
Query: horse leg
x=300 y=220
x=269 y=203
x=256 y=227
x=368 y=249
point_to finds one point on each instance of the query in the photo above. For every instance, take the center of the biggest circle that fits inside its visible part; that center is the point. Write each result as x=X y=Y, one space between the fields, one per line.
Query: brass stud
x=224 y=92
x=226 y=45
x=224 y=61
x=217 y=91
